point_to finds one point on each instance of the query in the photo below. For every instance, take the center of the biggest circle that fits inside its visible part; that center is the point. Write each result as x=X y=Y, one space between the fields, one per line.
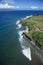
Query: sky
x=22 y=4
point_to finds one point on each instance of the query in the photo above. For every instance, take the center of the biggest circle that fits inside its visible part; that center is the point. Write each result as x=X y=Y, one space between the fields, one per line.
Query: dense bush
x=38 y=36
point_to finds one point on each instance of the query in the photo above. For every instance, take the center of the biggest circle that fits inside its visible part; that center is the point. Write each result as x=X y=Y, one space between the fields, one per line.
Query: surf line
x=25 y=51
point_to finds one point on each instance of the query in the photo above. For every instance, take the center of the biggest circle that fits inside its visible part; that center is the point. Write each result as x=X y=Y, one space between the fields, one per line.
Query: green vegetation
x=38 y=36
x=34 y=21
x=35 y=25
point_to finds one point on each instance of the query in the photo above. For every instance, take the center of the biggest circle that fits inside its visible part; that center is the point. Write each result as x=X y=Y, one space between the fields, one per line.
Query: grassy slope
x=35 y=24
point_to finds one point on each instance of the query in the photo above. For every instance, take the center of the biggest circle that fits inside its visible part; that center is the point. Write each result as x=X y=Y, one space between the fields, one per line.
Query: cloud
x=41 y=8
x=8 y=6
x=17 y=7
x=8 y=1
x=34 y=7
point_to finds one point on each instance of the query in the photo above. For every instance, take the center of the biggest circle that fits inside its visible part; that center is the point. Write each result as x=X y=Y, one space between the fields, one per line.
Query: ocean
x=11 y=51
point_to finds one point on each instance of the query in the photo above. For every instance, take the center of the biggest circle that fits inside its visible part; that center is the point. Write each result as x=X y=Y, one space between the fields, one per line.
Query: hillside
x=35 y=25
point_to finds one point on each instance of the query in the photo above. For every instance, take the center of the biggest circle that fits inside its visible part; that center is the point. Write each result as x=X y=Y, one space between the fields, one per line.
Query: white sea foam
x=18 y=24
x=27 y=53
x=21 y=32
x=20 y=36
x=28 y=17
x=23 y=46
x=25 y=50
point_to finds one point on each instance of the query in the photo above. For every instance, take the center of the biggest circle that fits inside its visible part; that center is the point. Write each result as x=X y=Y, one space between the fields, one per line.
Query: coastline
x=30 y=41
x=26 y=51
x=28 y=30
x=40 y=53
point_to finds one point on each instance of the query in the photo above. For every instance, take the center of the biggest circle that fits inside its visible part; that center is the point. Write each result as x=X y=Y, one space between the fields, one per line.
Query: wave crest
x=18 y=24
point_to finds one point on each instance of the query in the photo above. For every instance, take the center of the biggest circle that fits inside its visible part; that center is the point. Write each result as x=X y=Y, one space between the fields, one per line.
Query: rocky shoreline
x=40 y=52
x=29 y=40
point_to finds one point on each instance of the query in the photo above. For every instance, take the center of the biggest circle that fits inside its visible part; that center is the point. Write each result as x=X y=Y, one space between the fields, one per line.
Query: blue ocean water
x=10 y=49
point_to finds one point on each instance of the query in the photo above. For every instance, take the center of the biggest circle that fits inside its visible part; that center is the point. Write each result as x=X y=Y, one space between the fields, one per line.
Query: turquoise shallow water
x=10 y=48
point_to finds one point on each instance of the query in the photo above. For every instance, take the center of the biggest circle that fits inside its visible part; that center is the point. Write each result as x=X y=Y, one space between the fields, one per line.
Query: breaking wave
x=18 y=24
x=27 y=53
x=28 y=17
